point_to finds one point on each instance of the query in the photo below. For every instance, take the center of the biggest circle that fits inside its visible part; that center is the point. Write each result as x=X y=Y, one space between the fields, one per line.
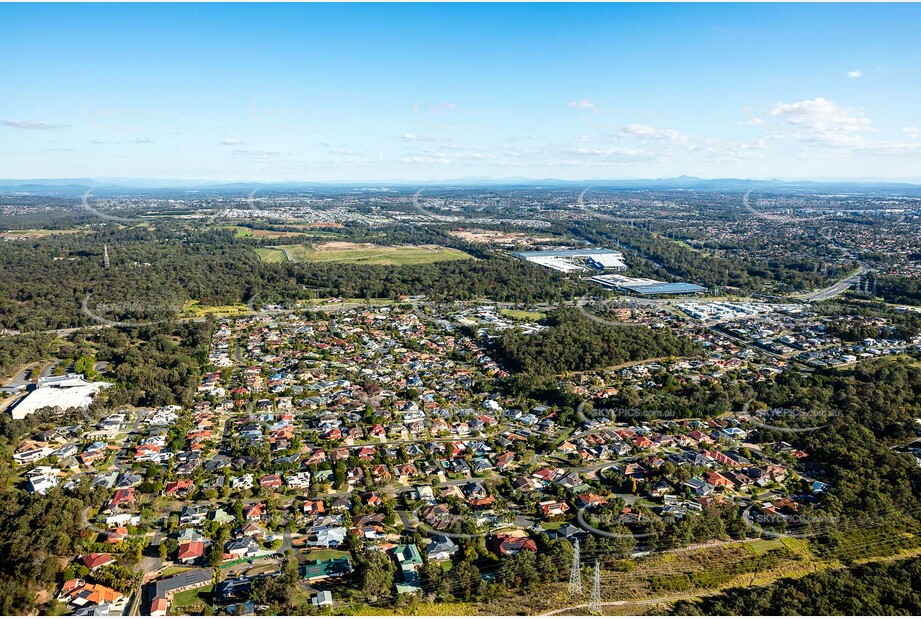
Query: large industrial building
x=646 y=287
x=59 y=393
x=577 y=260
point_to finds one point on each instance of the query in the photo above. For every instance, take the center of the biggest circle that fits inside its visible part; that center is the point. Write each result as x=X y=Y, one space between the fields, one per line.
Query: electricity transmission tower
x=594 y=601
x=575 y=576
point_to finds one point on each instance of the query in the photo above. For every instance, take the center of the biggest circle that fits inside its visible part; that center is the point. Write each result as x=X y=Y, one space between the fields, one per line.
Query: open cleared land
x=194 y=308
x=247 y=232
x=355 y=253
x=23 y=234
x=523 y=315
x=271 y=254
x=493 y=237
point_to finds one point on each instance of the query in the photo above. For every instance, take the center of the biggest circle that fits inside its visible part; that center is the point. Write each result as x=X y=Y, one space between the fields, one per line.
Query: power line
x=594 y=601
x=575 y=575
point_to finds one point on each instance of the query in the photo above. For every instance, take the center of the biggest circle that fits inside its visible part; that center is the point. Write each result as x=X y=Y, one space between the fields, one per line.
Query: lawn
x=188 y=598
x=174 y=570
x=531 y=316
x=354 y=253
x=324 y=554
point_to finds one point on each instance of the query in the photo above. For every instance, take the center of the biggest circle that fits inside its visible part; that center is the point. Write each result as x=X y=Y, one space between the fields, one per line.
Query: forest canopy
x=574 y=342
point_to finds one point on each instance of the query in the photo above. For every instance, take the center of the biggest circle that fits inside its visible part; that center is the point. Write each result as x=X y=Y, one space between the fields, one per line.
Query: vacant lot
x=493 y=237
x=354 y=253
x=196 y=309
x=247 y=232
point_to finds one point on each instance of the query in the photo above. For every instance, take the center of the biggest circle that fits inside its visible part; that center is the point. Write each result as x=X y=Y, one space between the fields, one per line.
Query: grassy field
x=760 y=547
x=353 y=253
x=247 y=232
x=271 y=254
x=196 y=309
x=423 y=608
x=518 y=314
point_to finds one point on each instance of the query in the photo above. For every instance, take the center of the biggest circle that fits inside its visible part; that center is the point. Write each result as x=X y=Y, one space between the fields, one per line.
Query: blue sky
x=428 y=92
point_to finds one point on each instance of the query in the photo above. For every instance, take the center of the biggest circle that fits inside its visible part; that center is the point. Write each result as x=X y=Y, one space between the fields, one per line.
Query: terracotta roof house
x=590 y=500
x=509 y=545
x=94 y=561
x=190 y=552
x=254 y=512
x=93 y=594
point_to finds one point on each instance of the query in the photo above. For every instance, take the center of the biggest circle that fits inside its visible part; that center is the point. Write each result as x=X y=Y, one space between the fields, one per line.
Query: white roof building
x=59 y=393
x=40 y=484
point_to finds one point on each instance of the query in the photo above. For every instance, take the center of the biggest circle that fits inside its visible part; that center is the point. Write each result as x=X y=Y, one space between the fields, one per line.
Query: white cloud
x=755 y=122
x=231 y=142
x=635 y=143
x=143 y=140
x=412 y=137
x=823 y=121
x=914 y=132
x=855 y=73
x=643 y=131
x=425 y=160
x=608 y=153
x=892 y=148
x=28 y=124
x=257 y=153
x=582 y=104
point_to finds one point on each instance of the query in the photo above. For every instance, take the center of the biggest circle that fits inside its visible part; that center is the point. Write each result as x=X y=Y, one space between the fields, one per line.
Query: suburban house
x=317 y=570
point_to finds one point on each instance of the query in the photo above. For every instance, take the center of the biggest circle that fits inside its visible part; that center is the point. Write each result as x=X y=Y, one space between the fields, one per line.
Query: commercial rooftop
x=646 y=287
x=575 y=260
x=70 y=391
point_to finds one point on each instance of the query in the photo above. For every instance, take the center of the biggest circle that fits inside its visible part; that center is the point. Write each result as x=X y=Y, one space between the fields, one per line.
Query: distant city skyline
x=365 y=93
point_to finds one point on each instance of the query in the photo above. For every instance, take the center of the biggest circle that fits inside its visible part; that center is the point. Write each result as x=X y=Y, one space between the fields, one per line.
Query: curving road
x=837 y=288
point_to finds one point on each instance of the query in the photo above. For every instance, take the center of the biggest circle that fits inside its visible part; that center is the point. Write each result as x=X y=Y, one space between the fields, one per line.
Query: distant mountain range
x=68 y=187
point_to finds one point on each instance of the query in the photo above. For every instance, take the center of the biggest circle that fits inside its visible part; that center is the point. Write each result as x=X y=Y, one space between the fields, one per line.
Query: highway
x=836 y=288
